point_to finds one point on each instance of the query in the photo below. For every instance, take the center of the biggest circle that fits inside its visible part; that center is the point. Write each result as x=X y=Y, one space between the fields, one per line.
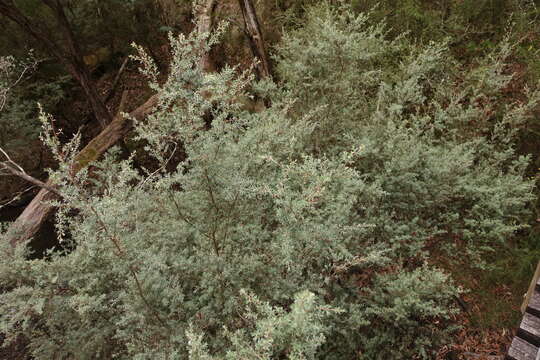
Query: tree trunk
x=204 y=13
x=256 y=39
x=75 y=64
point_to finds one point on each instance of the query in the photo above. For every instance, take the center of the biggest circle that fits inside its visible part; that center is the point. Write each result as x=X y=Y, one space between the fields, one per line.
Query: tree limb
x=256 y=39
x=30 y=179
x=15 y=169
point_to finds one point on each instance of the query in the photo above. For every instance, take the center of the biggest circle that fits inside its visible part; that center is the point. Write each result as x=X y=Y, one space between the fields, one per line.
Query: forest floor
x=490 y=315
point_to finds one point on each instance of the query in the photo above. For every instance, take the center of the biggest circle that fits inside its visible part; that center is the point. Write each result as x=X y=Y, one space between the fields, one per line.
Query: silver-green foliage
x=302 y=231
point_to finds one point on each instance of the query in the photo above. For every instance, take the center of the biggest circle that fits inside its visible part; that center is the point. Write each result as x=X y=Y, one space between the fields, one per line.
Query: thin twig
x=16 y=197
x=117 y=79
x=4 y=92
x=11 y=161
x=470 y=355
x=218 y=210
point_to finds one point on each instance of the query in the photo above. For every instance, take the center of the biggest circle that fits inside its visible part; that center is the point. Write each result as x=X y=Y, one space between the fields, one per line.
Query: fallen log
x=39 y=209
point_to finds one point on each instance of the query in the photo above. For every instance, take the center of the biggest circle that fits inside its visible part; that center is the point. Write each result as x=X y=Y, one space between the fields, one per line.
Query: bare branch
x=23 y=175
x=117 y=79
x=15 y=169
x=70 y=57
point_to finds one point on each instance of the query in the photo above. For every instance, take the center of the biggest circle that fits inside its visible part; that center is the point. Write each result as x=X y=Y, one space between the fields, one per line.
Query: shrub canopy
x=300 y=231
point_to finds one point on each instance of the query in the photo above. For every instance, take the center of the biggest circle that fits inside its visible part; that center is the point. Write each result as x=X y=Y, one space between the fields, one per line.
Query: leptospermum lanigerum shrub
x=301 y=231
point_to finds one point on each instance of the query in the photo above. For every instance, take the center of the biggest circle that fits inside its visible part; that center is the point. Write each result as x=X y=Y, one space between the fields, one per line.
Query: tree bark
x=71 y=58
x=204 y=12
x=256 y=39
x=39 y=209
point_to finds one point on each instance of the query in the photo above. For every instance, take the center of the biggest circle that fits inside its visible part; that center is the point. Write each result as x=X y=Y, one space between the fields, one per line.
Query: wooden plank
x=535 y=280
x=534 y=305
x=522 y=350
x=529 y=329
x=531 y=324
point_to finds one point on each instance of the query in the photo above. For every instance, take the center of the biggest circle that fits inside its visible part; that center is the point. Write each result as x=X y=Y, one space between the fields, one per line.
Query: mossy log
x=39 y=209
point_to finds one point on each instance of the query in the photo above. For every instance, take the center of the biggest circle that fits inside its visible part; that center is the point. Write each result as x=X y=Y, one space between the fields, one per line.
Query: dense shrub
x=300 y=231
